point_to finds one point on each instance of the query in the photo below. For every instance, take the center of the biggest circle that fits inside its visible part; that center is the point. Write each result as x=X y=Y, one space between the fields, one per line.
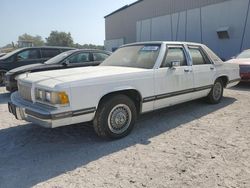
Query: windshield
x=138 y=56
x=10 y=54
x=60 y=57
x=243 y=55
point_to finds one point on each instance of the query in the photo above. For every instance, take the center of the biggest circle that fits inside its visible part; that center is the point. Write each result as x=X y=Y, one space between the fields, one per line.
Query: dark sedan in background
x=27 y=56
x=69 y=59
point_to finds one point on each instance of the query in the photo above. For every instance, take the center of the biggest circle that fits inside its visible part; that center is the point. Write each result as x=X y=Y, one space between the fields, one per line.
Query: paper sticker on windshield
x=150 y=48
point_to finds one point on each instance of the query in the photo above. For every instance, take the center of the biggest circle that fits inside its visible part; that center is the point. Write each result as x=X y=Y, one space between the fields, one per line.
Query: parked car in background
x=26 y=56
x=135 y=79
x=2 y=54
x=243 y=59
x=69 y=59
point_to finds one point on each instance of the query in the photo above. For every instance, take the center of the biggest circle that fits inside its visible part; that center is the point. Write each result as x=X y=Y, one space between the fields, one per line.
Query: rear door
x=173 y=84
x=203 y=70
x=99 y=57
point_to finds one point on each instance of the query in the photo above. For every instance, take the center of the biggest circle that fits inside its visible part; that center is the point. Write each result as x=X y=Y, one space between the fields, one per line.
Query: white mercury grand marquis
x=136 y=79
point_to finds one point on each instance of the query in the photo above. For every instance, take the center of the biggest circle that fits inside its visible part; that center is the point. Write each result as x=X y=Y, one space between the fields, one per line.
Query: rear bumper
x=47 y=117
x=245 y=73
x=245 y=77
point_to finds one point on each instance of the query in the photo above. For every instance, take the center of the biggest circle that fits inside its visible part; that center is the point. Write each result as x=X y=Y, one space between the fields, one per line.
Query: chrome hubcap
x=217 y=91
x=119 y=119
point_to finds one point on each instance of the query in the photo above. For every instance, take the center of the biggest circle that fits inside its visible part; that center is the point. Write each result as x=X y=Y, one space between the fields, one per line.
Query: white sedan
x=136 y=79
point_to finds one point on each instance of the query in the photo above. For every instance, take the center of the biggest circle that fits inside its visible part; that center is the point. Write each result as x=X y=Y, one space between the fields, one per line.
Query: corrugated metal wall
x=201 y=25
x=184 y=20
x=123 y=24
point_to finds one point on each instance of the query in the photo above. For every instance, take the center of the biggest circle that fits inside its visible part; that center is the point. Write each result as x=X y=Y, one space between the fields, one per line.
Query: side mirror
x=175 y=64
x=65 y=63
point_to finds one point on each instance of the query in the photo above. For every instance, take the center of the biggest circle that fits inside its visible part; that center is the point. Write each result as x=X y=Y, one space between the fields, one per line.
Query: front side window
x=28 y=54
x=49 y=53
x=137 y=56
x=198 y=57
x=100 y=56
x=175 y=54
x=79 y=58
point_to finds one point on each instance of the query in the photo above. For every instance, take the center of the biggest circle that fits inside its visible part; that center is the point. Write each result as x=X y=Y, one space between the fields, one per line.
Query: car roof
x=47 y=47
x=164 y=42
x=91 y=50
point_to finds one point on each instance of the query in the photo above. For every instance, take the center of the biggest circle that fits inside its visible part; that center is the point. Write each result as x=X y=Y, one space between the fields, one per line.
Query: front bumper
x=47 y=116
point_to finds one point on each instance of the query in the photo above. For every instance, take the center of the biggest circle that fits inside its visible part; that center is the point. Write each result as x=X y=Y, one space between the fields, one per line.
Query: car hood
x=240 y=61
x=84 y=75
x=25 y=68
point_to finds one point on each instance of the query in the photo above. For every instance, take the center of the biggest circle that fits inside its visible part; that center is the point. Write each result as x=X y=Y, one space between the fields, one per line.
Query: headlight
x=52 y=97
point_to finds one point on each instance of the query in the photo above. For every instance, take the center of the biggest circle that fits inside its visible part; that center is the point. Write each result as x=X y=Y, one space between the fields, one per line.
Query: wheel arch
x=130 y=92
x=224 y=79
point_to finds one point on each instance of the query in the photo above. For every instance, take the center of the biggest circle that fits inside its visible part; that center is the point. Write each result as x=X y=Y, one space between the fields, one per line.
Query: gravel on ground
x=188 y=145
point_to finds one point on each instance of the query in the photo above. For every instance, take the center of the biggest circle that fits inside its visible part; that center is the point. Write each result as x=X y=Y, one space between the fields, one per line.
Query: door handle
x=211 y=68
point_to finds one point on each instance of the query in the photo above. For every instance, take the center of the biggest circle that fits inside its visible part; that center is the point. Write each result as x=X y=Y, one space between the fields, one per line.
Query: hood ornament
x=27 y=74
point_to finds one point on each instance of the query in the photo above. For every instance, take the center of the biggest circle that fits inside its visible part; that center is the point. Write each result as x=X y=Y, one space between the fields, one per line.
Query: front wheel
x=115 y=117
x=216 y=93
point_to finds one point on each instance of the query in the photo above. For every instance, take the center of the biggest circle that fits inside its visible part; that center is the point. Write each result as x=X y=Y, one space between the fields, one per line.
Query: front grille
x=24 y=90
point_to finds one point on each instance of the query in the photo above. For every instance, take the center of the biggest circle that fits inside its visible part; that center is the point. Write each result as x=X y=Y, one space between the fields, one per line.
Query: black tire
x=216 y=93
x=2 y=77
x=108 y=116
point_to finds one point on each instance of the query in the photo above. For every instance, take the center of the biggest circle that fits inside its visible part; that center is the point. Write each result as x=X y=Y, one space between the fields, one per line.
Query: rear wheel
x=115 y=117
x=216 y=92
x=2 y=77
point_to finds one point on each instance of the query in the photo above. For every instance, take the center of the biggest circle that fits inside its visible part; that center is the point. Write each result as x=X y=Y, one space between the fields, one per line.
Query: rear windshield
x=10 y=54
x=60 y=57
x=137 y=56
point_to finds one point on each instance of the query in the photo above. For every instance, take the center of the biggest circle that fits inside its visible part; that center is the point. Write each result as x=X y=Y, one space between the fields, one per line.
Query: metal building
x=223 y=25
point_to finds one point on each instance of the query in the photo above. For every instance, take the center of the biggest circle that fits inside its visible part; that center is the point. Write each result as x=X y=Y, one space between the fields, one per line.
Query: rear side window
x=49 y=53
x=198 y=57
x=99 y=56
x=79 y=58
x=175 y=54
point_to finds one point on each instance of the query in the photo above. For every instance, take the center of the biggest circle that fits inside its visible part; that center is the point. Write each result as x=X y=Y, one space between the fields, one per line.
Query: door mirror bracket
x=65 y=63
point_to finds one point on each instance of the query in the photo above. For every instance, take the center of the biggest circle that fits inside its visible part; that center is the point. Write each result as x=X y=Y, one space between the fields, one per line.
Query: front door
x=173 y=84
x=26 y=57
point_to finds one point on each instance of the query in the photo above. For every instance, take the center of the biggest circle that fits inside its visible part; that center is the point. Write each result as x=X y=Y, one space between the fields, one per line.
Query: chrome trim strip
x=235 y=80
x=176 y=93
x=60 y=115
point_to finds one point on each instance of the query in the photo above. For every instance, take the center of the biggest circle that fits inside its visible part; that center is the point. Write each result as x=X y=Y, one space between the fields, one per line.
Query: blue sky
x=84 y=19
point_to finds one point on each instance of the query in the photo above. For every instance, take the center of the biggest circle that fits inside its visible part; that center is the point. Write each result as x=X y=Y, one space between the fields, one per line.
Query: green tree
x=89 y=46
x=60 y=39
x=36 y=40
